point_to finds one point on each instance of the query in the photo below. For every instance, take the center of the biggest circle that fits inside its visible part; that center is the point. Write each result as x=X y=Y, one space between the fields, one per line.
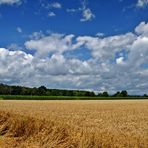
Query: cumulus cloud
x=139 y=52
x=51 y=14
x=115 y=62
x=142 y=3
x=106 y=47
x=49 y=44
x=142 y=29
x=11 y=63
x=10 y=2
x=18 y=67
x=87 y=14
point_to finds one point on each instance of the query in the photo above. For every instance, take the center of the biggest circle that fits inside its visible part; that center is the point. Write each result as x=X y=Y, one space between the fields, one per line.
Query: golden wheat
x=73 y=124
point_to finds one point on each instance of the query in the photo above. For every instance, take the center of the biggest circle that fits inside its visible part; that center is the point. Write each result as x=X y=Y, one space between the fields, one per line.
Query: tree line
x=43 y=91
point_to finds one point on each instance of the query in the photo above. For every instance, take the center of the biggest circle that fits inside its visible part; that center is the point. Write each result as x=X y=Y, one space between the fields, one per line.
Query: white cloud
x=56 y=5
x=19 y=30
x=106 y=69
x=51 y=14
x=142 y=29
x=105 y=48
x=49 y=6
x=142 y=3
x=52 y=43
x=139 y=52
x=87 y=15
x=100 y=34
x=11 y=63
x=10 y=2
x=18 y=67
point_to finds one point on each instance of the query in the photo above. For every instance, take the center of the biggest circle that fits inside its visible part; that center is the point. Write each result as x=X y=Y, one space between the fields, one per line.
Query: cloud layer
x=116 y=62
x=10 y=2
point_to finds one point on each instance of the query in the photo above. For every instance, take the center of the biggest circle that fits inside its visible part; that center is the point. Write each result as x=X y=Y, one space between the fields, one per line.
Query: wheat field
x=74 y=124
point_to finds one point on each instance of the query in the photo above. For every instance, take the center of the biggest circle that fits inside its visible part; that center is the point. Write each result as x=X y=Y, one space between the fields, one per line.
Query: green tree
x=105 y=94
x=117 y=94
x=124 y=93
x=42 y=90
x=145 y=95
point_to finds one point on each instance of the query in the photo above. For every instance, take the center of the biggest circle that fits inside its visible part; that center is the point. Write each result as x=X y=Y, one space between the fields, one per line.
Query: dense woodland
x=43 y=91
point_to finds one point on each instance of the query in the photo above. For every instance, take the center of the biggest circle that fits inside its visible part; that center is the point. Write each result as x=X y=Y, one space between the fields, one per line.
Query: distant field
x=19 y=97
x=74 y=124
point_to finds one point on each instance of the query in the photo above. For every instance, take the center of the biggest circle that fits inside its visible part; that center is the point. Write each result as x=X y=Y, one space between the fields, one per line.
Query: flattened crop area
x=74 y=124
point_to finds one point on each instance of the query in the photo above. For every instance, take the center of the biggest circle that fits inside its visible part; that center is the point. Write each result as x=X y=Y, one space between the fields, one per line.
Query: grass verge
x=19 y=97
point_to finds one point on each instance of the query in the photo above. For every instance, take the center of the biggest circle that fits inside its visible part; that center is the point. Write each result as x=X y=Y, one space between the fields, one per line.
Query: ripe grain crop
x=74 y=124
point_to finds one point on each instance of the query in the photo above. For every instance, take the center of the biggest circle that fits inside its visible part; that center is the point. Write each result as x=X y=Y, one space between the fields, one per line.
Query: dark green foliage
x=145 y=95
x=104 y=94
x=41 y=91
x=124 y=93
x=117 y=94
x=121 y=94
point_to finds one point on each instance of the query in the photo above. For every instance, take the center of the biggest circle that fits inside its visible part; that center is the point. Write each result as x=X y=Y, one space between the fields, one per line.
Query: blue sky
x=78 y=44
x=112 y=17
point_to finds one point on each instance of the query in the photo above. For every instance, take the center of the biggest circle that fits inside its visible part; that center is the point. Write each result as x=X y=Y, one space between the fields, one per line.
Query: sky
x=94 y=45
